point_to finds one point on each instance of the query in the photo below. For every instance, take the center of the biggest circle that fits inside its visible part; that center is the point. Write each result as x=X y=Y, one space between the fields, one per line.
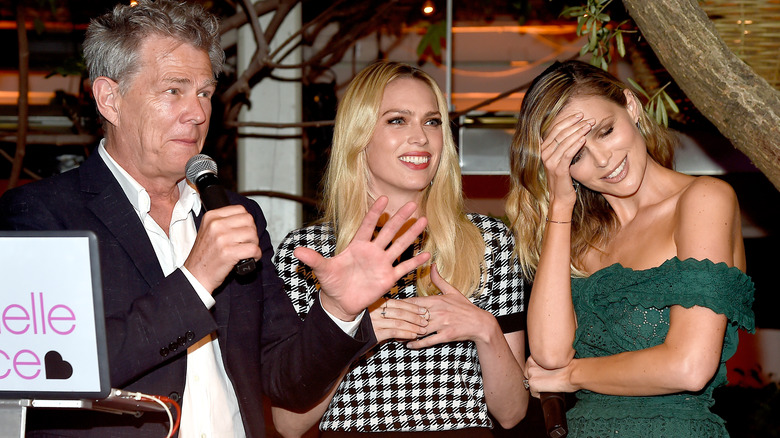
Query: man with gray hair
x=179 y=321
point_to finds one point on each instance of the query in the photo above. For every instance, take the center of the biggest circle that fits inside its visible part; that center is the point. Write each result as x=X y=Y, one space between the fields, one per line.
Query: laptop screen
x=52 y=328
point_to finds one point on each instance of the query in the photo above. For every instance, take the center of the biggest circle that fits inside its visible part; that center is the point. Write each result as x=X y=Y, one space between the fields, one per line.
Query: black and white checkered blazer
x=393 y=388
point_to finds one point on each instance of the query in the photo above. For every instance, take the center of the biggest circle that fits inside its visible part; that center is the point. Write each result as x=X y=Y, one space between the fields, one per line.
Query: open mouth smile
x=415 y=159
x=615 y=173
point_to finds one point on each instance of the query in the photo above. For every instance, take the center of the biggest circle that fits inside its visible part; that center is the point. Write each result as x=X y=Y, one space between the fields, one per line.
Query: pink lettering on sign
x=7 y=370
x=35 y=318
x=18 y=320
x=32 y=364
x=26 y=364
x=10 y=315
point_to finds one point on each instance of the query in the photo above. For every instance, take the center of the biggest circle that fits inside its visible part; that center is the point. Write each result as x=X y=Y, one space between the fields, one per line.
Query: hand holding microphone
x=201 y=171
x=553 y=403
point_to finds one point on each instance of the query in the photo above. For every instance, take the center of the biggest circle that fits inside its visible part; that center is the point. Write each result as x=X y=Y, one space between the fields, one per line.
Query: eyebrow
x=178 y=80
x=407 y=112
x=601 y=124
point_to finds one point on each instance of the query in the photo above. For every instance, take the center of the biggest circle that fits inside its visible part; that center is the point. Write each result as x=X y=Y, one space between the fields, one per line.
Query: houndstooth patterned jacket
x=393 y=388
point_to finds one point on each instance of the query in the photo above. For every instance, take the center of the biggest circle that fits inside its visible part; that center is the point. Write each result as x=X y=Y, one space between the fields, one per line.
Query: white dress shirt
x=209 y=404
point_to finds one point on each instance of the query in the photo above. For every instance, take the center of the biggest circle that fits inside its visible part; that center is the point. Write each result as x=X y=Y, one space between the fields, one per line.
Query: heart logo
x=56 y=367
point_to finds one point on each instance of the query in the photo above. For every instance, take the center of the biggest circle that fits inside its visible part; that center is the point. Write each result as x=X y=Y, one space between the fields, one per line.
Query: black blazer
x=152 y=319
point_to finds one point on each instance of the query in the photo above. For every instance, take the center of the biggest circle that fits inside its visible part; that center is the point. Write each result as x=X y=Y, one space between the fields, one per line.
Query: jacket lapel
x=112 y=207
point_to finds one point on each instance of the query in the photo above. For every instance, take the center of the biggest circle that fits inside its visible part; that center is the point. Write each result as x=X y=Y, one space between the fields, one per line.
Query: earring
x=576 y=185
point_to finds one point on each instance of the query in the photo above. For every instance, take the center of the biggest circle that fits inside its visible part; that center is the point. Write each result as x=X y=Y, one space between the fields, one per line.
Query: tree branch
x=23 y=103
x=740 y=103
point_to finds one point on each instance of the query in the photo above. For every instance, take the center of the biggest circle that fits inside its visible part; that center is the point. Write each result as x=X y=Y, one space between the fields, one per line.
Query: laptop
x=53 y=352
x=52 y=327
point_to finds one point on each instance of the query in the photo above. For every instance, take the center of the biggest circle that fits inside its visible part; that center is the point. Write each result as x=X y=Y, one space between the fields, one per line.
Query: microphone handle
x=554 y=411
x=213 y=196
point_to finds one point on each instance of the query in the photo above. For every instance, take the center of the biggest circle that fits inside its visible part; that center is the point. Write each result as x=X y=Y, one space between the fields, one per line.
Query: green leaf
x=432 y=38
x=436 y=46
x=39 y=26
x=638 y=87
x=665 y=115
x=670 y=101
x=604 y=4
x=591 y=44
x=621 y=48
x=658 y=108
x=572 y=11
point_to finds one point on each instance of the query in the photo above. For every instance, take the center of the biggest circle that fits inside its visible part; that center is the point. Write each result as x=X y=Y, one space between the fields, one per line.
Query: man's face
x=164 y=114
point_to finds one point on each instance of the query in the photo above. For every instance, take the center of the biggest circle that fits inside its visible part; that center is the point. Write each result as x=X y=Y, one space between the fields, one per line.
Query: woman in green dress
x=639 y=284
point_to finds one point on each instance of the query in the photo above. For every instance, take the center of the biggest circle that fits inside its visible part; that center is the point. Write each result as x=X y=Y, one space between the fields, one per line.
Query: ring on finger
x=427 y=314
x=384 y=309
x=557 y=143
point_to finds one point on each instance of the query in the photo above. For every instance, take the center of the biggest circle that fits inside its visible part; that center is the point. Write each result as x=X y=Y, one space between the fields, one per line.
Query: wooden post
x=24 y=87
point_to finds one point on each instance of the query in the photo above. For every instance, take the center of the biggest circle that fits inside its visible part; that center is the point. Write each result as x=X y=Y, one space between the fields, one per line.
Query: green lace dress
x=620 y=309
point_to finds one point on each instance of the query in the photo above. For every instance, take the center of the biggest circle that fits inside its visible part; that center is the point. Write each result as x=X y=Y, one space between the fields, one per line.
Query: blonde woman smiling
x=443 y=360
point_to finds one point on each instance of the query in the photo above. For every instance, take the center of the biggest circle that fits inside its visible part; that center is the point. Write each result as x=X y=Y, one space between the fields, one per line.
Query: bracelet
x=547 y=219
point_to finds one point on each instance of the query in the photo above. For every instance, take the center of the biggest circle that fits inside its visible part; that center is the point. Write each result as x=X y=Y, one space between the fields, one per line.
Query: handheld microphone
x=554 y=411
x=201 y=172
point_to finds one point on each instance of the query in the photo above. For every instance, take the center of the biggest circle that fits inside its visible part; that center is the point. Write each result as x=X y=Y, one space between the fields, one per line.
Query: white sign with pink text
x=52 y=337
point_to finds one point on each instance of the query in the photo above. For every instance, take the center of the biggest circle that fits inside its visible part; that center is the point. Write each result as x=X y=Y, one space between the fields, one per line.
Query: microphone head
x=198 y=165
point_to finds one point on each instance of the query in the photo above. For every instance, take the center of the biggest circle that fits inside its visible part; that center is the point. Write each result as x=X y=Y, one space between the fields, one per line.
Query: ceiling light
x=428 y=7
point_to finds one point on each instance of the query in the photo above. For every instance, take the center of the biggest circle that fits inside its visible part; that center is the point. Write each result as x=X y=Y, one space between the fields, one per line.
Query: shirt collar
x=137 y=194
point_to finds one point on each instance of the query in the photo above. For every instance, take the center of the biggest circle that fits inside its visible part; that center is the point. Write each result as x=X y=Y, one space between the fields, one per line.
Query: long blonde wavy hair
x=528 y=201
x=346 y=182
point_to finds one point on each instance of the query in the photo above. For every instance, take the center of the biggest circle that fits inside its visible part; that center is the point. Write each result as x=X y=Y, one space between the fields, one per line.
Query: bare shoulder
x=707 y=195
x=704 y=185
x=708 y=220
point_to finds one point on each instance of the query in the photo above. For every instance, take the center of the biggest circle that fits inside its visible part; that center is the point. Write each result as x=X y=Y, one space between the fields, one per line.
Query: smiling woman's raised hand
x=358 y=276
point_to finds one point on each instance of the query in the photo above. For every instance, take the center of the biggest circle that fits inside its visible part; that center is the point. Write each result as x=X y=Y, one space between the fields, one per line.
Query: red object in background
x=754 y=363
x=485 y=186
